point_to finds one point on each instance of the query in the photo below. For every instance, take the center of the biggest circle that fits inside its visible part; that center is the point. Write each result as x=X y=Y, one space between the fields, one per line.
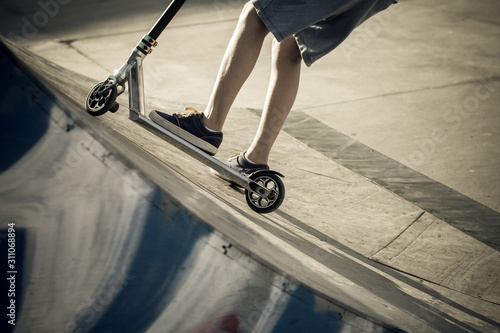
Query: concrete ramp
x=110 y=238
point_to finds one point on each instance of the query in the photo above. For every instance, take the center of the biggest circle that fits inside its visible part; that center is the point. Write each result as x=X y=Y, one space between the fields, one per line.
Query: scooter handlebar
x=165 y=18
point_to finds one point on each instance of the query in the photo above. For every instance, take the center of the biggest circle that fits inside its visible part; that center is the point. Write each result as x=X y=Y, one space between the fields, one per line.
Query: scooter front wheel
x=101 y=99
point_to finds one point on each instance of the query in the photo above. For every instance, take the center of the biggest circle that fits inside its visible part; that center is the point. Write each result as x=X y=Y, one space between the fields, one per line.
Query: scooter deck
x=200 y=155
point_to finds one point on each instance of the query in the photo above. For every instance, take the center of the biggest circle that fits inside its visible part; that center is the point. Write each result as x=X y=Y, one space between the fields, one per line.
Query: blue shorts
x=319 y=26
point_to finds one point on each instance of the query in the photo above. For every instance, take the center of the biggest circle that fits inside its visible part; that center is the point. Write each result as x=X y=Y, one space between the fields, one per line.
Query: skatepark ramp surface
x=105 y=250
x=108 y=238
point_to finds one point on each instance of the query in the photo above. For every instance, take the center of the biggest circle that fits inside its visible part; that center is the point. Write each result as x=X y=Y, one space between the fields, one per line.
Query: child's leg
x=237 y=64
x=283 y=87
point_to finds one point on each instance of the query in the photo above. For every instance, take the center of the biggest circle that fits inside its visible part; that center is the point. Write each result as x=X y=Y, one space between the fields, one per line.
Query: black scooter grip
x=165 y=18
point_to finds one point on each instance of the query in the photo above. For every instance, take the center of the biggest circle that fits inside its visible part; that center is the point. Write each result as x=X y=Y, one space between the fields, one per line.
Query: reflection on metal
x=106 y=250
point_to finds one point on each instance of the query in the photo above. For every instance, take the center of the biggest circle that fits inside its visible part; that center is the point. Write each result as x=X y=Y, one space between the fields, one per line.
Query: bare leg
x=283 y=87
x=237 y=64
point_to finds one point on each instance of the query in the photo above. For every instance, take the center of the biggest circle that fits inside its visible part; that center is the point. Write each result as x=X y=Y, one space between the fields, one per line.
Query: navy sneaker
x=189 y=126
x=240 y=163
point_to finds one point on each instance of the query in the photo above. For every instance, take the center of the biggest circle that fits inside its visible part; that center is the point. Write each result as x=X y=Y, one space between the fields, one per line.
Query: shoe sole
x=192 y=139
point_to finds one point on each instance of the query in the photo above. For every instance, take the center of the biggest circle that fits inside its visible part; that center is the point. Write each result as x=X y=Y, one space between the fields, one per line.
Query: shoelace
x=235 y=156
x=190 y=111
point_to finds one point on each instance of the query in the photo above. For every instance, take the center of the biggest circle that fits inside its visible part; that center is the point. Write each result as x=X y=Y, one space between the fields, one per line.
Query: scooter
x=264 y=190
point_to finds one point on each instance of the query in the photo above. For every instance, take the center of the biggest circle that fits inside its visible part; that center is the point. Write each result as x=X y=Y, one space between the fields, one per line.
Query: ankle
x=210 y=125
x=255 y=158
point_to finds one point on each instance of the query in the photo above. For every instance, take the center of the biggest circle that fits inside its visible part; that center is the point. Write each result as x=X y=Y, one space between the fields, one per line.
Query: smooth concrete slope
x=116 y=226
x=101 y=248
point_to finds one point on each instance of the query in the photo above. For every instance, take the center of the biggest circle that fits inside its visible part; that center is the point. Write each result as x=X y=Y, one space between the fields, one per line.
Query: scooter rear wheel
x=271 y=202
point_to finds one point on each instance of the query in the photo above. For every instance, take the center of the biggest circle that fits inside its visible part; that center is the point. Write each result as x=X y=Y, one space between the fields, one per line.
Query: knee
x=287 y=50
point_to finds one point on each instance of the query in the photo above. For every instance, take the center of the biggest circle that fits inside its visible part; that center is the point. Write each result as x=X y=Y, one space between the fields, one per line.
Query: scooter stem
x=131 y=71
